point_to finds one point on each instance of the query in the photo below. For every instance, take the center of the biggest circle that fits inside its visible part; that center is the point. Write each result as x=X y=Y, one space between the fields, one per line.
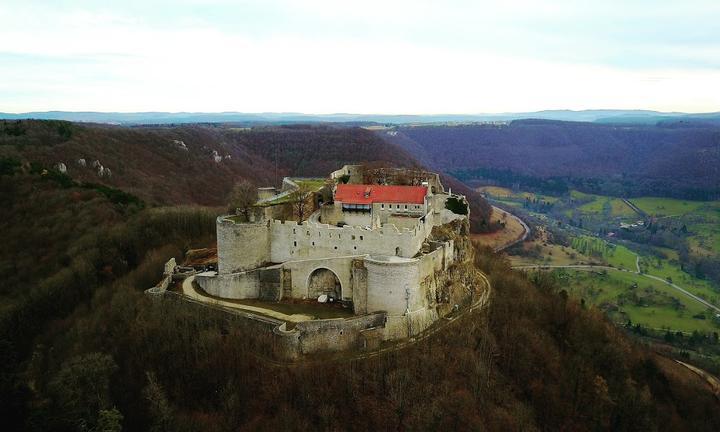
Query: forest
x=84 y=348
x=553 y=156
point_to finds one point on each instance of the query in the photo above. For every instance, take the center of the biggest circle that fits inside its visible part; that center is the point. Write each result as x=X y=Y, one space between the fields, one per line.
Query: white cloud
x=109 y=60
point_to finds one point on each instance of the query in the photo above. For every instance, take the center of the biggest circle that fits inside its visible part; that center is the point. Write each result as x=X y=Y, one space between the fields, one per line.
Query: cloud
x=389 y=57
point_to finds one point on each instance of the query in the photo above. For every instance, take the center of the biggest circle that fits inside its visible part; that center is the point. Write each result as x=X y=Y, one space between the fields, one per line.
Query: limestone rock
x=61 y=167
x=181 y=145
x=322 y=298
x=216 y=157
x=81 y=162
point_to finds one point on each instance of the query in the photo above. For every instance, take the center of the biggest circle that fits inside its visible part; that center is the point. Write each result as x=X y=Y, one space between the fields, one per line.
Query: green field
x=614 y=207
x=668 y=269
x=667 y=206
x=510 y=197
x=311 y=183
x=643 y=301
x=615 y=255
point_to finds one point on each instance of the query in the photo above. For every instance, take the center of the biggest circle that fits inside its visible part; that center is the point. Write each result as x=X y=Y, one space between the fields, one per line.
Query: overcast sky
x=328 y=56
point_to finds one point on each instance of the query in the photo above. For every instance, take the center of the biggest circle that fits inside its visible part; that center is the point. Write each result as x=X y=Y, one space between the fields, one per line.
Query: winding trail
x=520 y=239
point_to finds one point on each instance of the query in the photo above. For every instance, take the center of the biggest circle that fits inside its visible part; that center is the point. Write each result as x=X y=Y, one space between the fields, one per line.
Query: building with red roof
x=370 y=194
x=376 y=205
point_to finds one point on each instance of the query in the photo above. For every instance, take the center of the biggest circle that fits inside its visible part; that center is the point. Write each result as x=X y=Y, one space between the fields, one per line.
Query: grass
x=668 y=269
x=510 y=197
x=311 y=183
x=615 y=255
x=512 y=231
x=666 y=206
x=644 y=301
x=598 y=205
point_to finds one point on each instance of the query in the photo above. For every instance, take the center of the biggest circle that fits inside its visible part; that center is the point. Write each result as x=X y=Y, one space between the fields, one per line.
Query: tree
x=81 y=389
x=242 y=197
x=160 y=409
x=301 y=199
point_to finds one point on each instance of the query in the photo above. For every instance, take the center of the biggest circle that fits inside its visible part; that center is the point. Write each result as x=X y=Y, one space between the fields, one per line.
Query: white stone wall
x=301 y=271
x=245 y=285
x=392 y=285
x=241 y=246
x=290 y=241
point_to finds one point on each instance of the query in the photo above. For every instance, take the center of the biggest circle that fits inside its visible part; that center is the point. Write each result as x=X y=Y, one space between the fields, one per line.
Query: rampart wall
x=290 y=241
x=241 y=246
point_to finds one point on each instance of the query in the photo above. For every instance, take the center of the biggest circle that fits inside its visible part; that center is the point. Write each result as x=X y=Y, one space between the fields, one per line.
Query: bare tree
x=301 y=200
x=242 y=197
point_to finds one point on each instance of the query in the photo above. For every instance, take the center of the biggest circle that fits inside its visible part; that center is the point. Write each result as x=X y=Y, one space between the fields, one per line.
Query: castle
x=384 y=250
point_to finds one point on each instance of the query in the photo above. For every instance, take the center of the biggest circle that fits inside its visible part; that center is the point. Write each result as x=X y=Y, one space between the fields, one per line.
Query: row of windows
x=307 y=233
x=313 y=243
x=399 y=206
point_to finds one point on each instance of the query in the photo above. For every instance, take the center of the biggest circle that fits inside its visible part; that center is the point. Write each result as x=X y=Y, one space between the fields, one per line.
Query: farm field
x=541 y=251
x=614 y=255
x=627 y=296
x=666 y=269
x=501 y=193
x=667 y=206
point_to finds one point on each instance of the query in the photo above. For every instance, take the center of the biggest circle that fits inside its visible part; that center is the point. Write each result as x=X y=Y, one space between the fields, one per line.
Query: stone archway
x=324 y=281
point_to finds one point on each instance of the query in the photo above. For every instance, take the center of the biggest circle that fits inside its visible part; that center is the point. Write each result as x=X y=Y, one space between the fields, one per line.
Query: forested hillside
x=673 y=159
x=84 y=349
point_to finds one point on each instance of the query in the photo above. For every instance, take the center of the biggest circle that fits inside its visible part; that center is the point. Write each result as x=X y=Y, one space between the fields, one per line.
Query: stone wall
x=335 y=334
x=302 y=269
x=243 y=285
x=290 y=241
x=241 y=246
x=359 y=286
x=264 y=283
x=392 y=285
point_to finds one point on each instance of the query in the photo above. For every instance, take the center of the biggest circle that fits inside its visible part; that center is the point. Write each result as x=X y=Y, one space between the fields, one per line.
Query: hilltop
x=82 y=345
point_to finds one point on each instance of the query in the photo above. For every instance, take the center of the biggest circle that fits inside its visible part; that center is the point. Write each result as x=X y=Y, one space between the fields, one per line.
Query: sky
x=346 y=56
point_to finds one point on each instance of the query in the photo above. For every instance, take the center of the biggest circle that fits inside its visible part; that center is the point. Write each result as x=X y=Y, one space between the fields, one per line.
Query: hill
x=83 y=347
x=597 y=115
x=678 y=160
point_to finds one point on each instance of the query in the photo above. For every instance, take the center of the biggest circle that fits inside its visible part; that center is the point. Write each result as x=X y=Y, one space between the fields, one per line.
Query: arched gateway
x=324 y=281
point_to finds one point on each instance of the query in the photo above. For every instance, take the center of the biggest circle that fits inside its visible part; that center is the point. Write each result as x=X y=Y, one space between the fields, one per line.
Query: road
x=522 y=238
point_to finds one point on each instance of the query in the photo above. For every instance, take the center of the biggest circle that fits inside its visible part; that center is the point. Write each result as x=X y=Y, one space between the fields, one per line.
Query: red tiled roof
x=368 y=194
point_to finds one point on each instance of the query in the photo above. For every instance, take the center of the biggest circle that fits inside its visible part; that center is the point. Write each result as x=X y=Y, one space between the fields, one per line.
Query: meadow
x=627 y=296
x=615 y=255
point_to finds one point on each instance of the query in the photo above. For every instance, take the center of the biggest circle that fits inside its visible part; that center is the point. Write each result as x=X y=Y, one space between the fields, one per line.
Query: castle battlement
x=367 y=245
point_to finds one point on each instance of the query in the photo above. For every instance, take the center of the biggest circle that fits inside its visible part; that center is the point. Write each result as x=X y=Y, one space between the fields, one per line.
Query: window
x=353 y=236
x=308 y=232
x=382 y=205
x=355 y=247
x=294 y=231
x=313 y=243
x=361 y=237
x=335 y=247
x=295 y=243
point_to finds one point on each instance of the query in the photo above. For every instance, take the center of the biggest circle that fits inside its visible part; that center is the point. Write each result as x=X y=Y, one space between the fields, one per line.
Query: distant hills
x=675 y=159
x=600 y=116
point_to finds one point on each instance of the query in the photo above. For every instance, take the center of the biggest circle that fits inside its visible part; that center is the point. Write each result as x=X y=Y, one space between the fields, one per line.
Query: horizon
x=319 y=57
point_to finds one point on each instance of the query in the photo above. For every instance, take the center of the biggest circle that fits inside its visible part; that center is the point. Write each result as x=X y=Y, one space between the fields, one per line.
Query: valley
x=593 y=245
